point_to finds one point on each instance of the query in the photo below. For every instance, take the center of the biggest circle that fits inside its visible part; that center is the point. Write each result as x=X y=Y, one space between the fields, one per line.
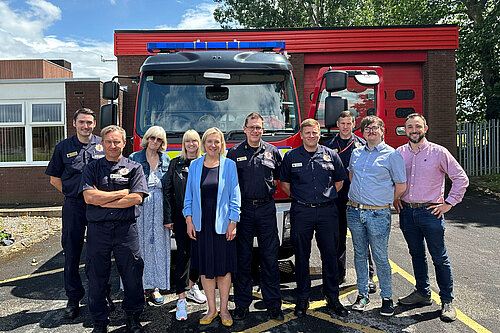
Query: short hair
x=370 y=120
x=415 y=115
x=345 y=114
x=190 y=135
x=254 y=115
x=309 y=122
x=114 y=128
x=158 y=132
x=83 y=111
x=210 y=131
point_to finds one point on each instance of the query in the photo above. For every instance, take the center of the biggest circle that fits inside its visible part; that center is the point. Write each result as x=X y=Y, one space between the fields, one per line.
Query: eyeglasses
x=154 y=138
x=372 y=129
x=255 y=128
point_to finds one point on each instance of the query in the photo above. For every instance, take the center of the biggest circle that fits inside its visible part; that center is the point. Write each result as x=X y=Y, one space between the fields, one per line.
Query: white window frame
x=28 y=128
x=23 y=110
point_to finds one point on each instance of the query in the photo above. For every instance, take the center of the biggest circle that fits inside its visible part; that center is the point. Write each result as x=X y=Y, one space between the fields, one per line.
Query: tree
x=478 y=58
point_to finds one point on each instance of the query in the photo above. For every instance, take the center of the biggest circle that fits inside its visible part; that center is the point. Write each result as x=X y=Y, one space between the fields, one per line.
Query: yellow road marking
x=460 y=315
x=29 y=276
x=358 y=327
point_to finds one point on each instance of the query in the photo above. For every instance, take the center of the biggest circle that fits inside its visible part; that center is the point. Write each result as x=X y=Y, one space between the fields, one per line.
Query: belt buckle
x=362 y=206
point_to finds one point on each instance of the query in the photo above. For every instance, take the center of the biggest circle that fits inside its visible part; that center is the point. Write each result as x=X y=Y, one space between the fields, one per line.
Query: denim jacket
x=140 y=157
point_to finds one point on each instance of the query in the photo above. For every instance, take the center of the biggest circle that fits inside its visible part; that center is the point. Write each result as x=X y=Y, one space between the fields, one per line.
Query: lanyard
x=348 y=145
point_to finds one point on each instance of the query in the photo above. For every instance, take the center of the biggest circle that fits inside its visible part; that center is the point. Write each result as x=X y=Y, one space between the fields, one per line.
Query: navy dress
x=211 y=253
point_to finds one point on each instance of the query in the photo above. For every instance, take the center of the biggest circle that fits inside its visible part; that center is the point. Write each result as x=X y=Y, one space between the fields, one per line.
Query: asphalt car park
x=32 y=298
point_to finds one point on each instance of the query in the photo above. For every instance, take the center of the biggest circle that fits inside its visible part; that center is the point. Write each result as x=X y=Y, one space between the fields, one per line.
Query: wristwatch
x=234 y=222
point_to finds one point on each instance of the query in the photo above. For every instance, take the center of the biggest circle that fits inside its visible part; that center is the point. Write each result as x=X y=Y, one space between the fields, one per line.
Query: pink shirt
x=425 y=172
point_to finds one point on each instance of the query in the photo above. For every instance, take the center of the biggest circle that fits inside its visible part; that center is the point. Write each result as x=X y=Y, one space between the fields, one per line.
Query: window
x=405 y=94
x=29 y=131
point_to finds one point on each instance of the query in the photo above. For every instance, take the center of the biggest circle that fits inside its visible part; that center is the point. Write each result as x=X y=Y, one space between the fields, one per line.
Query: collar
x=247 y=145
x=424 y=145
x=378 y=147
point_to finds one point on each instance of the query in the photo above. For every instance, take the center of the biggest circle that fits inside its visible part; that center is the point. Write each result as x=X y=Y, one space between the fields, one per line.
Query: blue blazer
x=228 y=194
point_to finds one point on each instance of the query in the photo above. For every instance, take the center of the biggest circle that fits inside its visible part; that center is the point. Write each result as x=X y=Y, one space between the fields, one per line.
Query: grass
x=486 y=183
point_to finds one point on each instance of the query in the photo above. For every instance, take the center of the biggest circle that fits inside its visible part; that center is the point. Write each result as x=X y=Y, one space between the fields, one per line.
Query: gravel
x=27 y=230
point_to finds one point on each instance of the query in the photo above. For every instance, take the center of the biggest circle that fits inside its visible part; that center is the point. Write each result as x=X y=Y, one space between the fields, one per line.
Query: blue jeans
x=371 y=227
x=418 y=224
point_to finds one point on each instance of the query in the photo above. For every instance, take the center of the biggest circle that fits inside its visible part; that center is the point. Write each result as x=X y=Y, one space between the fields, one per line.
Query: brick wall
x=27 y=186
x=129 y=65
x=439 y=94
x=297 y=60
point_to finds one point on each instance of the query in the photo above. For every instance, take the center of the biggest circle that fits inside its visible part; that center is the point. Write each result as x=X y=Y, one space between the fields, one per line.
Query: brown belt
x=361 y=206
x=418 y=205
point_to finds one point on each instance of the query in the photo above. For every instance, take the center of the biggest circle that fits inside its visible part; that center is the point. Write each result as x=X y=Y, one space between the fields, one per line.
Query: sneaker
x=415 y=298
x=156 y=298
x=196 y=295
x=448 y=312
x=372 y=287
x=180 y=311
x=387 y=308
x=361 y=302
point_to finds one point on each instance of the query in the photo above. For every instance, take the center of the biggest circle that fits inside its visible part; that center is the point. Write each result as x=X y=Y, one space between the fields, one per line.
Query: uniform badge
x=72 y=154
x=296 y=165
x=327 y=158
x=268 y=155
x=99 y=147
x=242 y=158
x=335 y=150
x=123 y=171
x=357 y=144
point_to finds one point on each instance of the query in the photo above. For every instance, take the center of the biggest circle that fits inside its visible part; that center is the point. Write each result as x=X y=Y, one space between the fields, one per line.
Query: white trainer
x=196 y=295
x=180 y=311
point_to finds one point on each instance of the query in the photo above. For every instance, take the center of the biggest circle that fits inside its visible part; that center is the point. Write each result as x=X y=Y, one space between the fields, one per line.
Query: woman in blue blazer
x=212 y=210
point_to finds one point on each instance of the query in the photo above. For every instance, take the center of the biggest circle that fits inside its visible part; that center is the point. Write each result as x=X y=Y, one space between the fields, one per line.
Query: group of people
x=216 y=203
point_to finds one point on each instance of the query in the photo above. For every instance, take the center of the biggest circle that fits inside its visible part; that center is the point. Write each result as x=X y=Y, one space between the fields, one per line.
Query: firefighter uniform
x=312 y=178
x=68 y=160
x=257 y=170
x=344 y=149
x=113 y=230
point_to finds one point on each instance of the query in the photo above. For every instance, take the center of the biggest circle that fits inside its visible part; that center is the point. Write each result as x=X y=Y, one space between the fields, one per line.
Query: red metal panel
x=128 y=42
x=364 y=57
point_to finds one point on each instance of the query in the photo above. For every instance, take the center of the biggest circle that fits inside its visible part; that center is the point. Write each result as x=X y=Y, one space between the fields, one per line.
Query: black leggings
x=183 y=273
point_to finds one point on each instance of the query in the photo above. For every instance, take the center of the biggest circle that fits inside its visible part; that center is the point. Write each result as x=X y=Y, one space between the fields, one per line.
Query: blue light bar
x=159 y=47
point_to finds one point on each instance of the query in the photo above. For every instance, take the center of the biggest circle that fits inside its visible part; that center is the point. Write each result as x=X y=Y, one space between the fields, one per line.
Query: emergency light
x=159 y=47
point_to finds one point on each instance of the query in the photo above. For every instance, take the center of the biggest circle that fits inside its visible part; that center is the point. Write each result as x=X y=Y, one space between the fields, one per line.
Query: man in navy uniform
x=65 y=170
x=113 y=187
x=257 y=160
x=343 y=144
x=312 y=175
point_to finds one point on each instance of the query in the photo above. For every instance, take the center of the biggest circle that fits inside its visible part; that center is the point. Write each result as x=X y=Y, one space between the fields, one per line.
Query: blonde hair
x=190 y=135
x=114 y=128
x=309 y=122
x=210 y=131
x=158 y=132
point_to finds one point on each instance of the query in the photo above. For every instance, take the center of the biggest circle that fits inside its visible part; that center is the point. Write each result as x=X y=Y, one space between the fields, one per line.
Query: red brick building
x=36 y=112
x=418 y=61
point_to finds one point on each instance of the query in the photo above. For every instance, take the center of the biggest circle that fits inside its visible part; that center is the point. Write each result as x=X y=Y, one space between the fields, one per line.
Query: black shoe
x=240 y=313
x=112 y=307
x=301 y=308
x=134 y=323
x=342 y=280
x=72 y=309
x=336 y=306
x=387 y=308
x=100 y=329
x=276 y=314
x=372 y=287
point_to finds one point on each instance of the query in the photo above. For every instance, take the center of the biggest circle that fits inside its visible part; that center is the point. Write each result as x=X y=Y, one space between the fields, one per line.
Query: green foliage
x=478 y=58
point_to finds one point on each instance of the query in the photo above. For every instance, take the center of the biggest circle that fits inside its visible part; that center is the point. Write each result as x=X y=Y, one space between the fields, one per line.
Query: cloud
x=201 y=17
x=22 y=37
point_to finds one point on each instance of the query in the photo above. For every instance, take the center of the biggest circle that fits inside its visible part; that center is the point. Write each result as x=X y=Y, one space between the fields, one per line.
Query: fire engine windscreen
x=181 y=101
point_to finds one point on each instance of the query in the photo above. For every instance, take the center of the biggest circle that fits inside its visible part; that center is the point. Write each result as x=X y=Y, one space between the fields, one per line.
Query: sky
x=81 y=32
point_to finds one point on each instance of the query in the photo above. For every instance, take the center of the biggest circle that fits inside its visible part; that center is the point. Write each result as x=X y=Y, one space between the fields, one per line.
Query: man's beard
x=420 y=138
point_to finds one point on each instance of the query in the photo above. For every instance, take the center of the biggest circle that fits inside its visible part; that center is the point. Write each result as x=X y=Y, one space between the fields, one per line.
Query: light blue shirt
x=374 y=174
x=228 y=194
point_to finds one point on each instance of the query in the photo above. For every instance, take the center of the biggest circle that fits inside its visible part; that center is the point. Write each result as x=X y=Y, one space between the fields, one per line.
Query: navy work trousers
x=305 y=221
x=119 y=237
x=260 y=221
x=74 y=223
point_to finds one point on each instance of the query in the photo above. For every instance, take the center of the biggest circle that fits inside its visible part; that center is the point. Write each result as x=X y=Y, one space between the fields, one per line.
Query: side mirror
x=335 y=81
x=109 y=115
x=334 y=105
x=110 y=90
